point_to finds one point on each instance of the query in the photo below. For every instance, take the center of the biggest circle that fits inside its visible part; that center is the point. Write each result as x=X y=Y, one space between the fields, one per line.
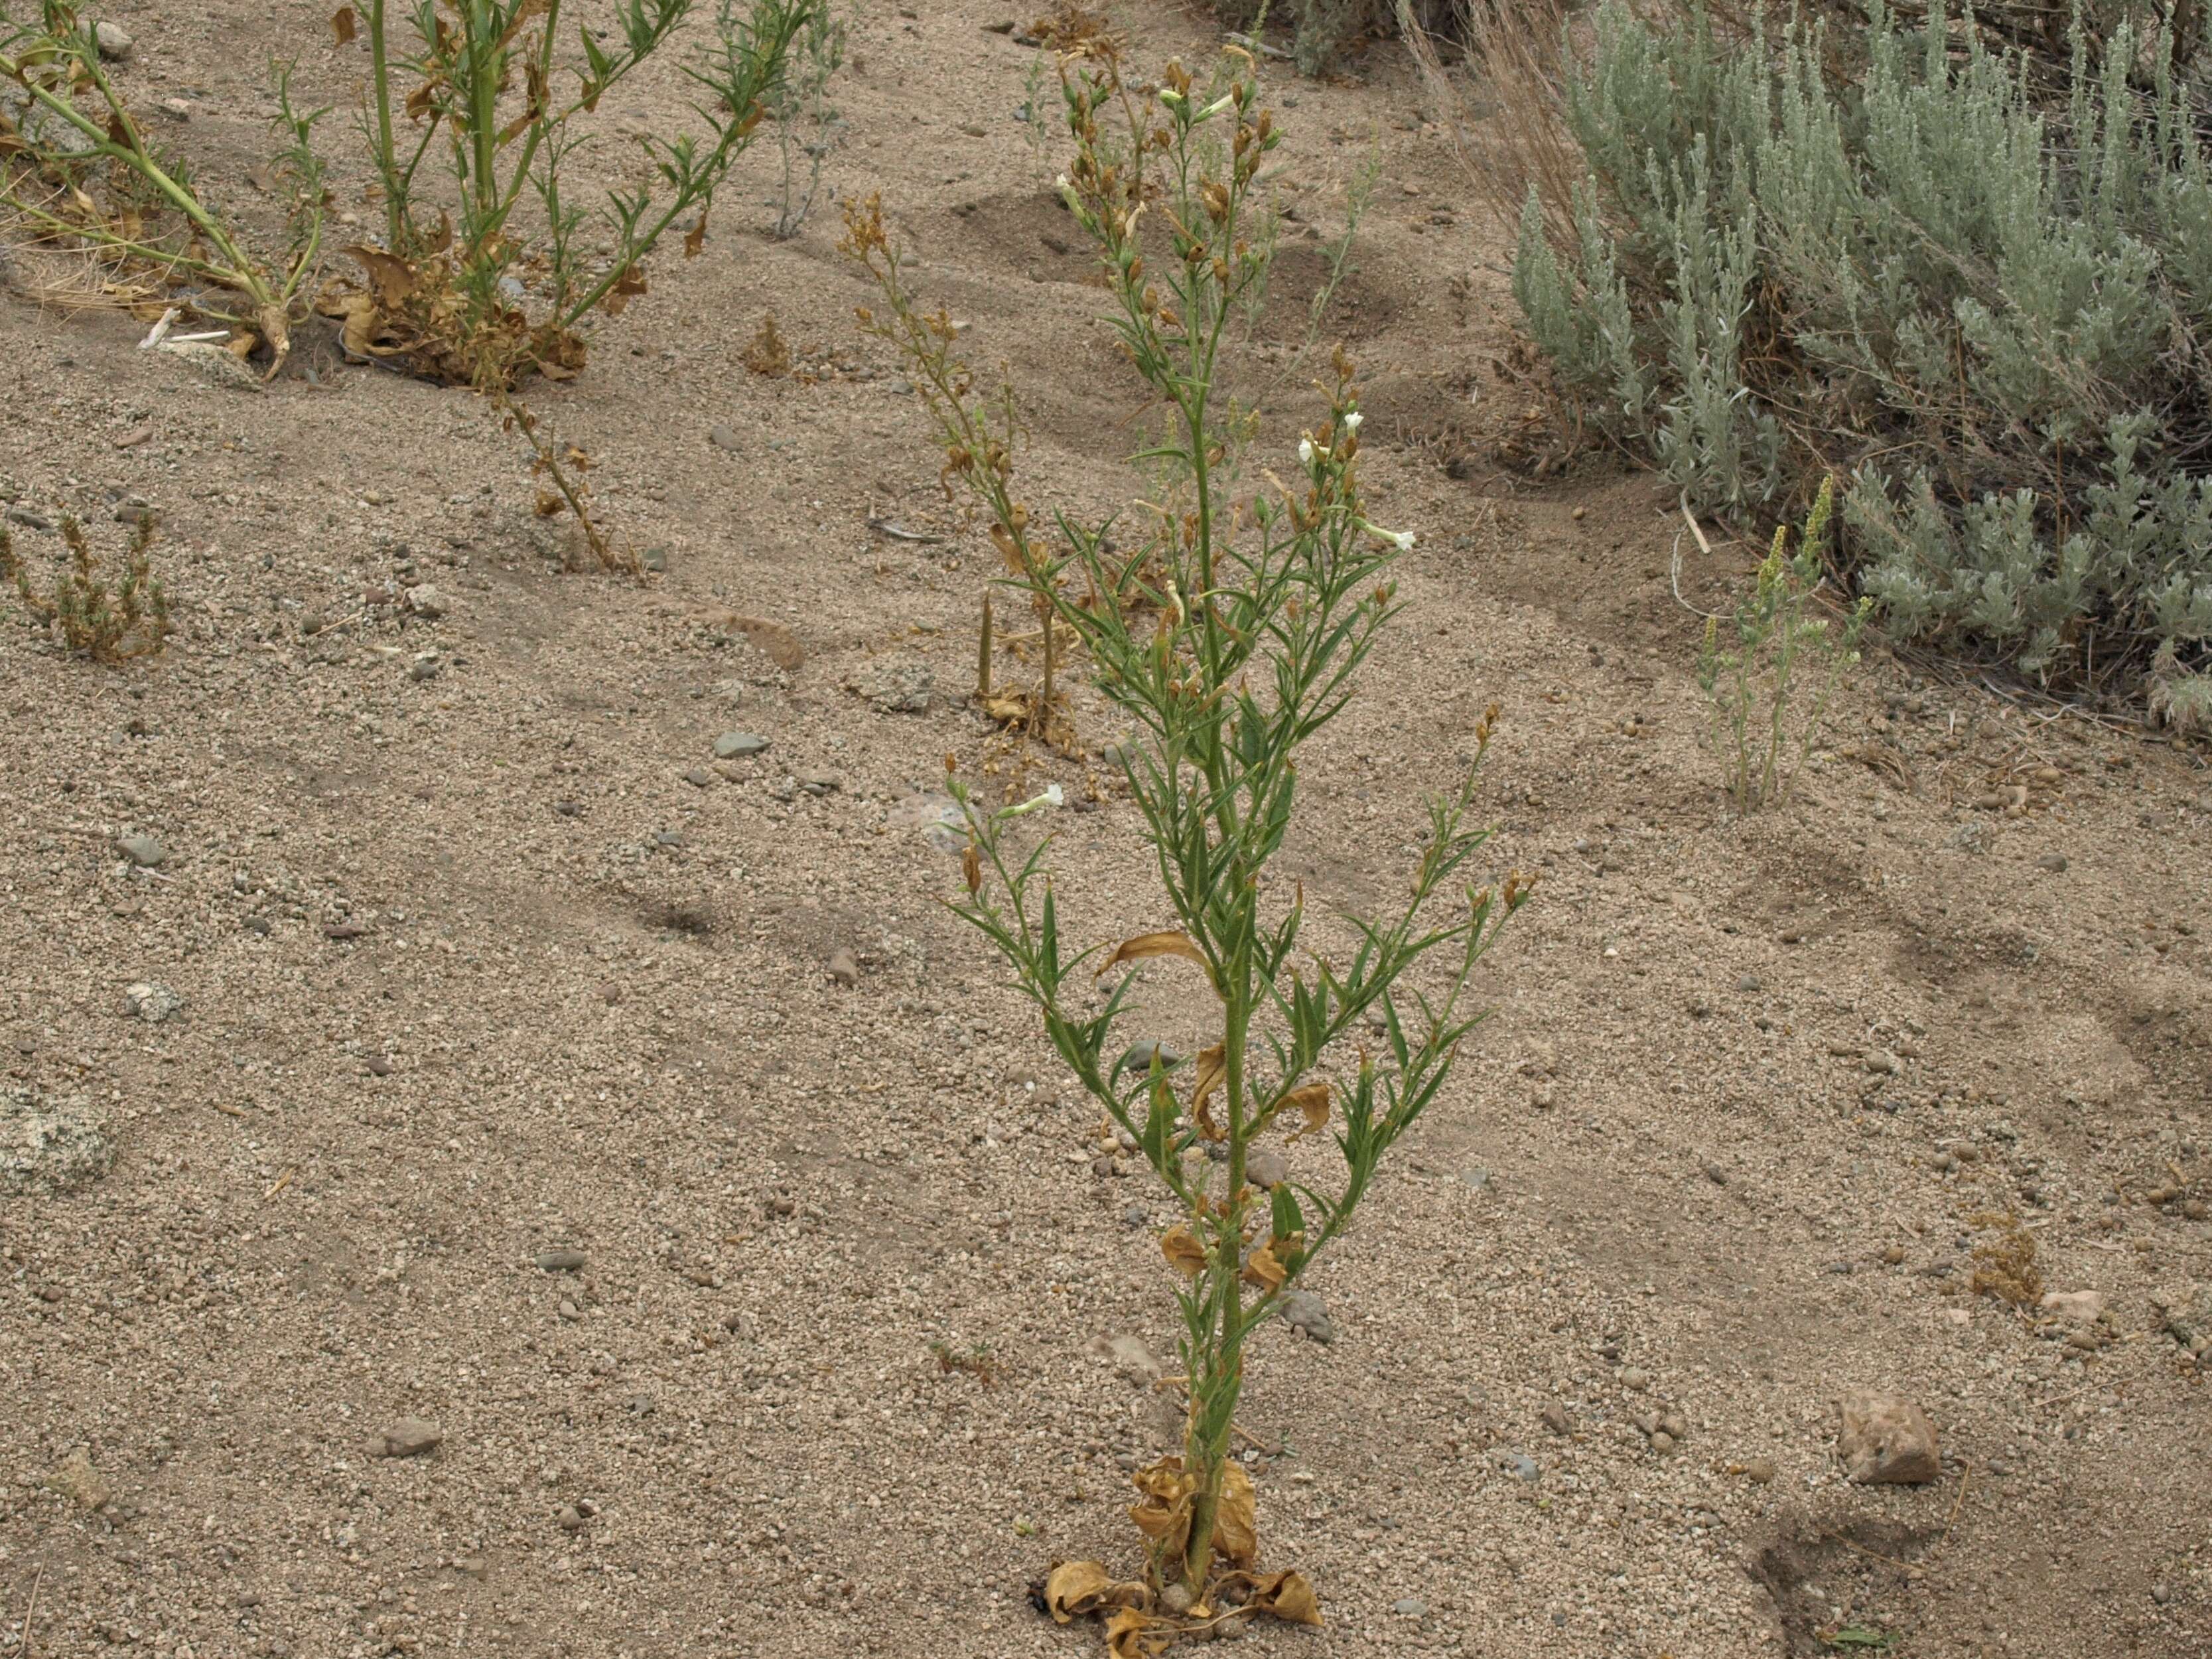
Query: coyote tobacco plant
x=1755 y=678
x=1230 y=636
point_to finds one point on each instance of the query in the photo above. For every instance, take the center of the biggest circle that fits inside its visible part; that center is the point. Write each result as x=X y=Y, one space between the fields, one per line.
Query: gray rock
x=700 y=778
x=570 y=1518
x=1267 y=1167
x=426 y=602
x=114 y=42
x=1662 y=1443
x=1131 y=1356
x=1304 y=1311
x=723 y=437
x=1556 y=1419
x=149 y=1002
x=1138 y=1056
x=896 y=685
x=2054 y=862
x=735 y=745
x=425 y=667
x=143 y=851
x=819 y=783
x=1135 y=1215
x=1519 y=1464
x=1635 y=1377
x=1886 y=1439
x=50 y=1147
x=564 y=1259
x=1884 y=1063
x=1410 y=1607
x=844 y=970
x=131 y=508
x=1476 y=1177
x=23 y=516
x=411 y=1436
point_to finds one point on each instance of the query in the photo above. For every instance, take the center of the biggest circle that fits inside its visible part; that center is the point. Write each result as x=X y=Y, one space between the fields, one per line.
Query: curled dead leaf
x=392 y=279
x=1263 y=1271
x=630 y=283
x=1212 y=1067
x=1163 y=1514
x=341 y=26
x=1168 y=943
x=1183 y=1251
x=1286 y=1596
x=1311 y=1100
x=972 y=869
x=1235 y=1530
x=1076 y=1590
x=695 y=238
x=1131 y=1634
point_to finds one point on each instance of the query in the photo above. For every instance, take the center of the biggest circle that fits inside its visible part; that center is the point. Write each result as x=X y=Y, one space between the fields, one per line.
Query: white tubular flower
x=1305 y=452
x=1403 y=539
x=1226 y=102
x=1350 y=421
x=1053 y=796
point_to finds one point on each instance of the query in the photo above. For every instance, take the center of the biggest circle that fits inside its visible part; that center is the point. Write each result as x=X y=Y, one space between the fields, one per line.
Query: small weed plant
x=78 y=171
x=1771 y=677
x=109 y=616
x=807 y=124
x=1231 y=632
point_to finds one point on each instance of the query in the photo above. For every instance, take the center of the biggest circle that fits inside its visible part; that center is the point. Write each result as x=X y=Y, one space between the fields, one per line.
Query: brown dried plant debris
x=767 y=353
x=2004 y=1266
x=109 y=618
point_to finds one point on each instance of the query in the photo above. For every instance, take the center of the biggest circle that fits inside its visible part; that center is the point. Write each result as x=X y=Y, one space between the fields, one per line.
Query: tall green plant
x=1230 y=634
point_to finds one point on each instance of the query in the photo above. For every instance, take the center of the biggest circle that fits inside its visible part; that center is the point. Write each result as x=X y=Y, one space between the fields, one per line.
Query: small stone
x=1750 y=983
x=143 y=851
x=563 y=1259
x=2074 y=1307
x=411 y=1436
x=426 y=602
x=131 y=508
x=1304 y=1311
x=114 y=42
x=818 y=783
x=1886 y=1439
x=568 y=1309
x=1177 y=1599
x=1759 y=1471
x=1477 y=1177
x=896 y=685
x=724 y=437
x=425 y=666
x=1132 y=1357
x=1519 y=1464
x=735 y=745
x=1662 y=1443
x=1556 y=1419
x=50 y=1146
x=700 y=778
x=2188 y=1310
x=669 y=838
x=844 y=970
x=654 y=558
x=1675 y=1423
x=1882 y=1062
x=2161 y=1593
x=2054 y=862
x=570 y=1519
x=379 y=1065
x=1410 y=1607
x=177 y=109
x=1635 y=1377
x=74 y=1478
x=1135 y=1215
x=1267 y=1167
x=152 y=1003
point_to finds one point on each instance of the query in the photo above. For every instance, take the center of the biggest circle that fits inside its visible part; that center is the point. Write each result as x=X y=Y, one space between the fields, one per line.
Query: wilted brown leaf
x=1074 y=1590
x=766 y=353
x=1163 y=1513
x=1167 y=944
x=1262 y=1270
x=695 y=238
x=1311 y=1100
x=341 y=25
x=630 y=283
x=972 y=869
x=1235 y=1531
x=1183 y=1251
x=1133 y=1635
x=390 y=278
x=1212 y=1067
x=1288 y=1596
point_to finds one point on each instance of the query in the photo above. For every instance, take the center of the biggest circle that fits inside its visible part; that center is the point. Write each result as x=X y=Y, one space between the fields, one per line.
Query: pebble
x=723 y=437
x=570 y=1519
x=74 y=1478
x=896 y=685
x=1662 y=1443
x=149 y=1002
x=425 y=666
x=50 y=1146
x=564 y=1259
x=2054 y=862
x=1884 y=1063
x=426 y=602
x=734 y=745
x=1759 y=1470
x=1886 y=1439
x=1302 y=1310
x=2075 y=1307
x=1138 y=1056
x=1750 y=983
x=1556 y=1419
x=27 y=519
x=844 y=970
x=1521 y=1466
x=1132 y=1357
x=1635 y=1377
x=411 y=1436
x=114 y=42
x=1478 y=1178
x=143 y=851
x=131 y=508
x=699 y=778
x=177 y=109
x=1410 y=1607
x=1267 y=1167
x=379 y=1065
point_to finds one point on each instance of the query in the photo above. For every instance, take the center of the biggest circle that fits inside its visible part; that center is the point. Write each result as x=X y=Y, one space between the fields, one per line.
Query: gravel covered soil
x=503 y=1152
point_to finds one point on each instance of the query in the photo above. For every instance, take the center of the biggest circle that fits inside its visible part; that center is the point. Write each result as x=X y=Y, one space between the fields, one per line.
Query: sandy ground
x=499 y=961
